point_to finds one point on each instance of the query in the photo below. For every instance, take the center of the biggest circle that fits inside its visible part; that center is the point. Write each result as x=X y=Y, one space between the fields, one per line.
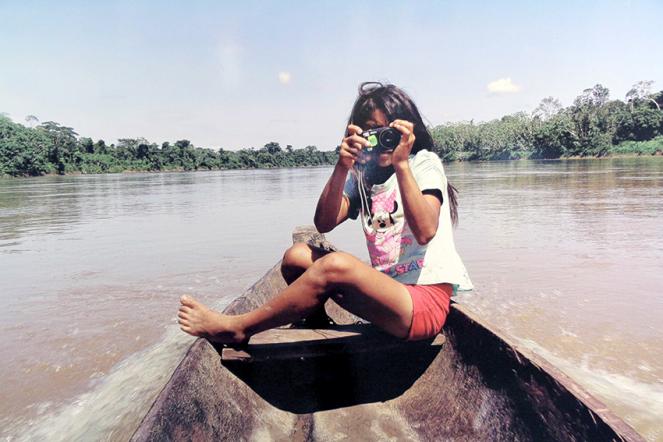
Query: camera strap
x=363 y=197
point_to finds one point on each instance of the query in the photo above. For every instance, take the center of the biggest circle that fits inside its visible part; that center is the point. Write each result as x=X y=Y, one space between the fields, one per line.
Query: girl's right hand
x=351 y=147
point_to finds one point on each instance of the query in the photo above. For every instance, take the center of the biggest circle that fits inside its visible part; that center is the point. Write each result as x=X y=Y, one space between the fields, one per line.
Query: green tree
x=86 y=145
x=556 y=137
x=273 y=148
x=23 y=151
x=594 y=126
x=100 y=147
x=63 y=146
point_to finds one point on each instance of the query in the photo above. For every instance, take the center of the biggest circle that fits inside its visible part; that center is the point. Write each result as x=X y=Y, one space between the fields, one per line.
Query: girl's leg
x=365 y=292
x=295 y=261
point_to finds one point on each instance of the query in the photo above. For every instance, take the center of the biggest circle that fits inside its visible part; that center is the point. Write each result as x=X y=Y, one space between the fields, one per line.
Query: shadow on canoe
x=353 y=382
x=325 y=369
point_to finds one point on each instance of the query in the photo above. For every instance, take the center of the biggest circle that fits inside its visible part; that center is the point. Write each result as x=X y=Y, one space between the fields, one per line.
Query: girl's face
x=378 y=119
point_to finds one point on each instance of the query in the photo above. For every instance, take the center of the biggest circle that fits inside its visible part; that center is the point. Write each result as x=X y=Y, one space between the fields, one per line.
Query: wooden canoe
x=352 y=382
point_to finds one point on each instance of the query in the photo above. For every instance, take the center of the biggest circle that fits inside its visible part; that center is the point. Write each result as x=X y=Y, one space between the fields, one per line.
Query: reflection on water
x=566 y=257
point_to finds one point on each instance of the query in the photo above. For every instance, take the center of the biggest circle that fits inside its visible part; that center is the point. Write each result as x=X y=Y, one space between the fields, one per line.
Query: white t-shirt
x=392 y=246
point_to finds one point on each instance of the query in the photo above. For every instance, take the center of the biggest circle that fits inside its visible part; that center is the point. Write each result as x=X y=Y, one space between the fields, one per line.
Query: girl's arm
x=422 y=212
x=332 y=208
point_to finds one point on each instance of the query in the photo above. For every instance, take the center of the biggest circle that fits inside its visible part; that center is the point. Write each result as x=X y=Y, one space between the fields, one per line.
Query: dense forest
x=52 y=148
x=593 y=126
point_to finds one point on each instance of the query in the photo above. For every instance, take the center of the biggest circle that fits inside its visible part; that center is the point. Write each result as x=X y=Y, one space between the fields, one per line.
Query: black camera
x=381 y=139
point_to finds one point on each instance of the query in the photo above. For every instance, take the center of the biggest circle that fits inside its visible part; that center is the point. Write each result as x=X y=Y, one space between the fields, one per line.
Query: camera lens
x=389 y=138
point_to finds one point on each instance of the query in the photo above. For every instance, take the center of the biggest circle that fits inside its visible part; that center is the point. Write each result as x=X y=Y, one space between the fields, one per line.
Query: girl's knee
x=336 y=266
x=295 y=261
x=298 y=255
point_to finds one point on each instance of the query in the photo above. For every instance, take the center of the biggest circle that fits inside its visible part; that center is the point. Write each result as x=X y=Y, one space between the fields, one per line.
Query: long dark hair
x=396 y=104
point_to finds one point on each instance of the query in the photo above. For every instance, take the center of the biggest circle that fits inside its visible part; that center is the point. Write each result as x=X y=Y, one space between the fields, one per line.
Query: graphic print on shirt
x=383 y=228
x=383 y=220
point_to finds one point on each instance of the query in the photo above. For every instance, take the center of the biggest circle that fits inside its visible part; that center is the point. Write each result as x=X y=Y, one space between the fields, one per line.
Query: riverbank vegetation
x=52 y=148
x=593 y=126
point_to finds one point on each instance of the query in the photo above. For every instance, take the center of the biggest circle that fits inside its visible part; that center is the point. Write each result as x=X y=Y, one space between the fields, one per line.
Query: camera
x=381 y=139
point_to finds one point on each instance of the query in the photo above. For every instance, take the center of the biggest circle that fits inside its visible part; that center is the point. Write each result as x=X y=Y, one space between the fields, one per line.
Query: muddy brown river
x=566 y=258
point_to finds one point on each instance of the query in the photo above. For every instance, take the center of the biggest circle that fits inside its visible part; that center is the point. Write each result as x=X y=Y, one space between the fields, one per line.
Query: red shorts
x=430 y=307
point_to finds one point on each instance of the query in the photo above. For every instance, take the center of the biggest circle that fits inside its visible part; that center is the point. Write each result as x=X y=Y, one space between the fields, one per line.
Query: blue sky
x=241 y=74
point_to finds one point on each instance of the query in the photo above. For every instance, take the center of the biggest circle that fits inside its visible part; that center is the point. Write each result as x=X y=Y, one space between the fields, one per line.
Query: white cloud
x=502 y=86
x=284 y=77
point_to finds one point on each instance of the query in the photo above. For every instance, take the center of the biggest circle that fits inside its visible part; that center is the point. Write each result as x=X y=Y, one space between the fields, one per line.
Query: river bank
x=627 y=149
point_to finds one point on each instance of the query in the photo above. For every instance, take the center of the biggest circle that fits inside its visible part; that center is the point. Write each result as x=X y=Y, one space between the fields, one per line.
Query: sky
x=242 y=74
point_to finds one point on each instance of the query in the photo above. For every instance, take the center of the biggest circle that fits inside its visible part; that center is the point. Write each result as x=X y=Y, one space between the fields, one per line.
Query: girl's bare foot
x=198 y=320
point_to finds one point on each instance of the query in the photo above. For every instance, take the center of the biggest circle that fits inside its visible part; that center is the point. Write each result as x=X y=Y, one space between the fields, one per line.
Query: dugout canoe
x=352 y=382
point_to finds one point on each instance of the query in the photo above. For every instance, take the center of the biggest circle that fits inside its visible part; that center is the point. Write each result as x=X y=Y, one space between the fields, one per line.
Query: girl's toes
x=187 y=300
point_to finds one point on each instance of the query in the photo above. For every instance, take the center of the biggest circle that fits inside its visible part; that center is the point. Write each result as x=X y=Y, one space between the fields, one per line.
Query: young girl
x=407 y=208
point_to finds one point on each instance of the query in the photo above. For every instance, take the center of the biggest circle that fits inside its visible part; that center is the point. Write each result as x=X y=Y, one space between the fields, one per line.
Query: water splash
x=115 y=406
x=637 y=402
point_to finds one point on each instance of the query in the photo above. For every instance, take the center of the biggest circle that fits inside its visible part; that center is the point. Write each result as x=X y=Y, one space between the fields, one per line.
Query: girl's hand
x=351 y=147
x=402 y=151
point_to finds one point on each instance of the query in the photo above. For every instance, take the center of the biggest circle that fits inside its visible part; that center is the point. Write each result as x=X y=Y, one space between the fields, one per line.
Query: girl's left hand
x=402 y=151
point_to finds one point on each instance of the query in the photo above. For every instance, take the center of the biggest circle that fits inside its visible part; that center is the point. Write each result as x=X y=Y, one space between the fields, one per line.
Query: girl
x=407 y=208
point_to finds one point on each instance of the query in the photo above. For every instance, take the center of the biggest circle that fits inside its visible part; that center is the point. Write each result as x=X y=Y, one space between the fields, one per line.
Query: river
x=566 y=258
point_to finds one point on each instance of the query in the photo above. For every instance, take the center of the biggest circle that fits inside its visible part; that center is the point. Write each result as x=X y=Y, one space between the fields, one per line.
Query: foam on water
x=638 y=403
x=115 y=405
x=113 y=408
x=636 y=400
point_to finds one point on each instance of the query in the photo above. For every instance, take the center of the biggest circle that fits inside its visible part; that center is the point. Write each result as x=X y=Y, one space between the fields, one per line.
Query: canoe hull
x=476 y=387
